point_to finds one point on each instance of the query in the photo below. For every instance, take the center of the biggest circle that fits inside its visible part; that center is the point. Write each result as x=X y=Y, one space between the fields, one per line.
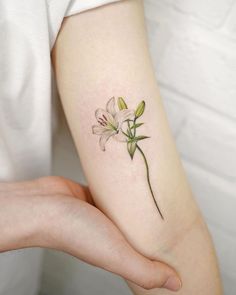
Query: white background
x=193 y=46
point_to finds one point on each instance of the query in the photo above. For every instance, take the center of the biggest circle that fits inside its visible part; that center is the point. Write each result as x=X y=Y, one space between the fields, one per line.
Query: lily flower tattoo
x=122 y=124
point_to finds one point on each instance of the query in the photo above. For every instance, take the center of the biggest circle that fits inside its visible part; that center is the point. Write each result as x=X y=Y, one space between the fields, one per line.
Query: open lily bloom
x=110 y=122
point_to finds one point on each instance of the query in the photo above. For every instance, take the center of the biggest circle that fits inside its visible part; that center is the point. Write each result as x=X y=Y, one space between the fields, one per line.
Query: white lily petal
x=102 y=115
x=104 y=138
x=110 y=107
x=120 y=137
x=98 y=129
x=124 y=115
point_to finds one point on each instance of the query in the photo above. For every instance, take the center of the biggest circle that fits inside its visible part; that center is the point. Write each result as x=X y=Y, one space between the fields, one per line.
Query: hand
x=54 y=212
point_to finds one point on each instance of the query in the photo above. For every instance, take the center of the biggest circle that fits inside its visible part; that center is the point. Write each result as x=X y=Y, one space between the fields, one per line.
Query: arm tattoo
x=122 y=124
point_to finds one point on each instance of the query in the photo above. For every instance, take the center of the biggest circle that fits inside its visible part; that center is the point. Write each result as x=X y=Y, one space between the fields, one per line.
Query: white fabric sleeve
x=77 y=6
x=58 y=9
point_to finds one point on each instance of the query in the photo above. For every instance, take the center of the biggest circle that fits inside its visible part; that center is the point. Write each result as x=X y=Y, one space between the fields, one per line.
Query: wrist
x=21 y=216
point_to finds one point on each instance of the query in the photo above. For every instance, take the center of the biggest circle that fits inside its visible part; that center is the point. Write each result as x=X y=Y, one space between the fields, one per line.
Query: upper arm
x=100 y=54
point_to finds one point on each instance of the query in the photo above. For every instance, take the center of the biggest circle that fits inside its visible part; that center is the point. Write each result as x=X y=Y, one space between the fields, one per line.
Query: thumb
x=150 y=274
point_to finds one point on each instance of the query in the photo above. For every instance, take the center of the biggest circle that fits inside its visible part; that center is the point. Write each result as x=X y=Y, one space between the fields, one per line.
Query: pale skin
x=130 y=237
x=111 y=58
x=56 y=213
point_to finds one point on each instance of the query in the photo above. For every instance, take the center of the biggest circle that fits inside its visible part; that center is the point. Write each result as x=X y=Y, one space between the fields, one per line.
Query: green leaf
x=141 y=137
x=131 y=146
x=140 y=109
x=137 y=125
x=122 y=104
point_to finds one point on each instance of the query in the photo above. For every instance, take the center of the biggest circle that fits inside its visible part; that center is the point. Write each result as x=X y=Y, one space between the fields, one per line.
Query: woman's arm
x=101 y=54
x=54 y=212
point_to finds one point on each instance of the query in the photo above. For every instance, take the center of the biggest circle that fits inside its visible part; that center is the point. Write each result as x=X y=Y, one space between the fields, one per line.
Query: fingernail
x=173 y=283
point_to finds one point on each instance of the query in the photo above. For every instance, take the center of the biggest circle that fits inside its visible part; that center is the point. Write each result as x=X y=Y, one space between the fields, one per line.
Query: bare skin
x=111 y=58
x=56 y=213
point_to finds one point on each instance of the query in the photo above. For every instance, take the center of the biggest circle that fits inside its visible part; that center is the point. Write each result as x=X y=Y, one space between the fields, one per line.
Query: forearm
x=20 y=221
x=29 y=212
x=122 y=67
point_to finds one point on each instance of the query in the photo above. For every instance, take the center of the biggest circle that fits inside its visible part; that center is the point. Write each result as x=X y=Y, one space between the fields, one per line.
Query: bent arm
x=101 y=54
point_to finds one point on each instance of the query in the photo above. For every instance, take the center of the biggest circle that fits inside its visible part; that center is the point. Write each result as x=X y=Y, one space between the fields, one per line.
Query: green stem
x=125 y=134
x=134 y=121
x=130 y=131
x=148 y=180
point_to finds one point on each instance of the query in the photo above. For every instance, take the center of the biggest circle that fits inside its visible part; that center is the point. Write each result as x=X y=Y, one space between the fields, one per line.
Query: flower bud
x=121 y=104
x=131 y=146
x=140 y=109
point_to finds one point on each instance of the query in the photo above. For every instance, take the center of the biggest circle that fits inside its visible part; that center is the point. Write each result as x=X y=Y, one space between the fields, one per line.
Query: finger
x=88 y=196
x=85 y=232
x=79 y=191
